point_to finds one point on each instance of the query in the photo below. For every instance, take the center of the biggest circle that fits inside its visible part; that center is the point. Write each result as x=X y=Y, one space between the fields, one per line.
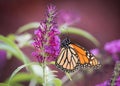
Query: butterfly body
x=73 y=56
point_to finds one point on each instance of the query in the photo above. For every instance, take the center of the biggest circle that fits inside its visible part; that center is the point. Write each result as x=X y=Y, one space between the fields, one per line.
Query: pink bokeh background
x=99 y=17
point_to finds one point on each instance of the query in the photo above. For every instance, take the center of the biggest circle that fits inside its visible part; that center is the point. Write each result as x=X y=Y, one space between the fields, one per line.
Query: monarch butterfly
x=72 y=56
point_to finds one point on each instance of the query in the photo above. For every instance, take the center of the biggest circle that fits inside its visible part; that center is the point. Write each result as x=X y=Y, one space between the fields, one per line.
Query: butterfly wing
x=85 y=57
x=68 y=60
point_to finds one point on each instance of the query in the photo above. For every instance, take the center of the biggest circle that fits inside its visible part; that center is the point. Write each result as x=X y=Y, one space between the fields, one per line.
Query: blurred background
x=101 y=18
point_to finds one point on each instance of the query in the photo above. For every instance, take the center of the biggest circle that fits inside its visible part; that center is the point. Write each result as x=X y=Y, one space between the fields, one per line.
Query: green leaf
x=9 y=55
x=80 y=32
x=17 y=84
x=18 y=69
x=57 y=82
x=10 y=46
x=14 y=49
x=52 y=62
x=68 y=75
x=38 y=70
x=9 y=49
x=11 y=37
x=28 y=26
x=23 y=39
x=20 y=77
x=3 y=84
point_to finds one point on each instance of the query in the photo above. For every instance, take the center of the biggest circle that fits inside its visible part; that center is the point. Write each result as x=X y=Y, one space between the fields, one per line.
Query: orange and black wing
x=68 y=60
x=86 y=59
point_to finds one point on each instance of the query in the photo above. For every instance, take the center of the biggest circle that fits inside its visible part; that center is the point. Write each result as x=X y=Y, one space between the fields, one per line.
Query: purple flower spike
x=51 y=9
x=113 y=48
x=47 y=42
x=51 y=13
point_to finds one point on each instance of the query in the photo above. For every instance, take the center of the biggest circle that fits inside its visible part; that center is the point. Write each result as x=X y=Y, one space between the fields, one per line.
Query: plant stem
x=116 y=73
x=44 y=74
x=44 y=63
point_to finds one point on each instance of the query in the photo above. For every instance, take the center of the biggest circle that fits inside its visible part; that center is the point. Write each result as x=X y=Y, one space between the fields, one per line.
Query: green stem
x=116 y=73
x=44 y=73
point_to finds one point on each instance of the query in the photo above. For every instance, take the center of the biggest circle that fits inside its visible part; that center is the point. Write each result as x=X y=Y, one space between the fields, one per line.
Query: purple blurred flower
x=67 y=18
x=47 y=42
x=113 y=48
x=107 y=83
x=95 y=51
x=3 y=58
x=118 y=81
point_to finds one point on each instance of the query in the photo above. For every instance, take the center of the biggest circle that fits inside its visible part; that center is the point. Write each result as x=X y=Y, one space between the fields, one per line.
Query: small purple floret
x=95 y=51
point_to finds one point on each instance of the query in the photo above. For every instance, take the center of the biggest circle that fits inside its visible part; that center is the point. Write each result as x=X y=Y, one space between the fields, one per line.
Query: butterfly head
x=65 y=42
